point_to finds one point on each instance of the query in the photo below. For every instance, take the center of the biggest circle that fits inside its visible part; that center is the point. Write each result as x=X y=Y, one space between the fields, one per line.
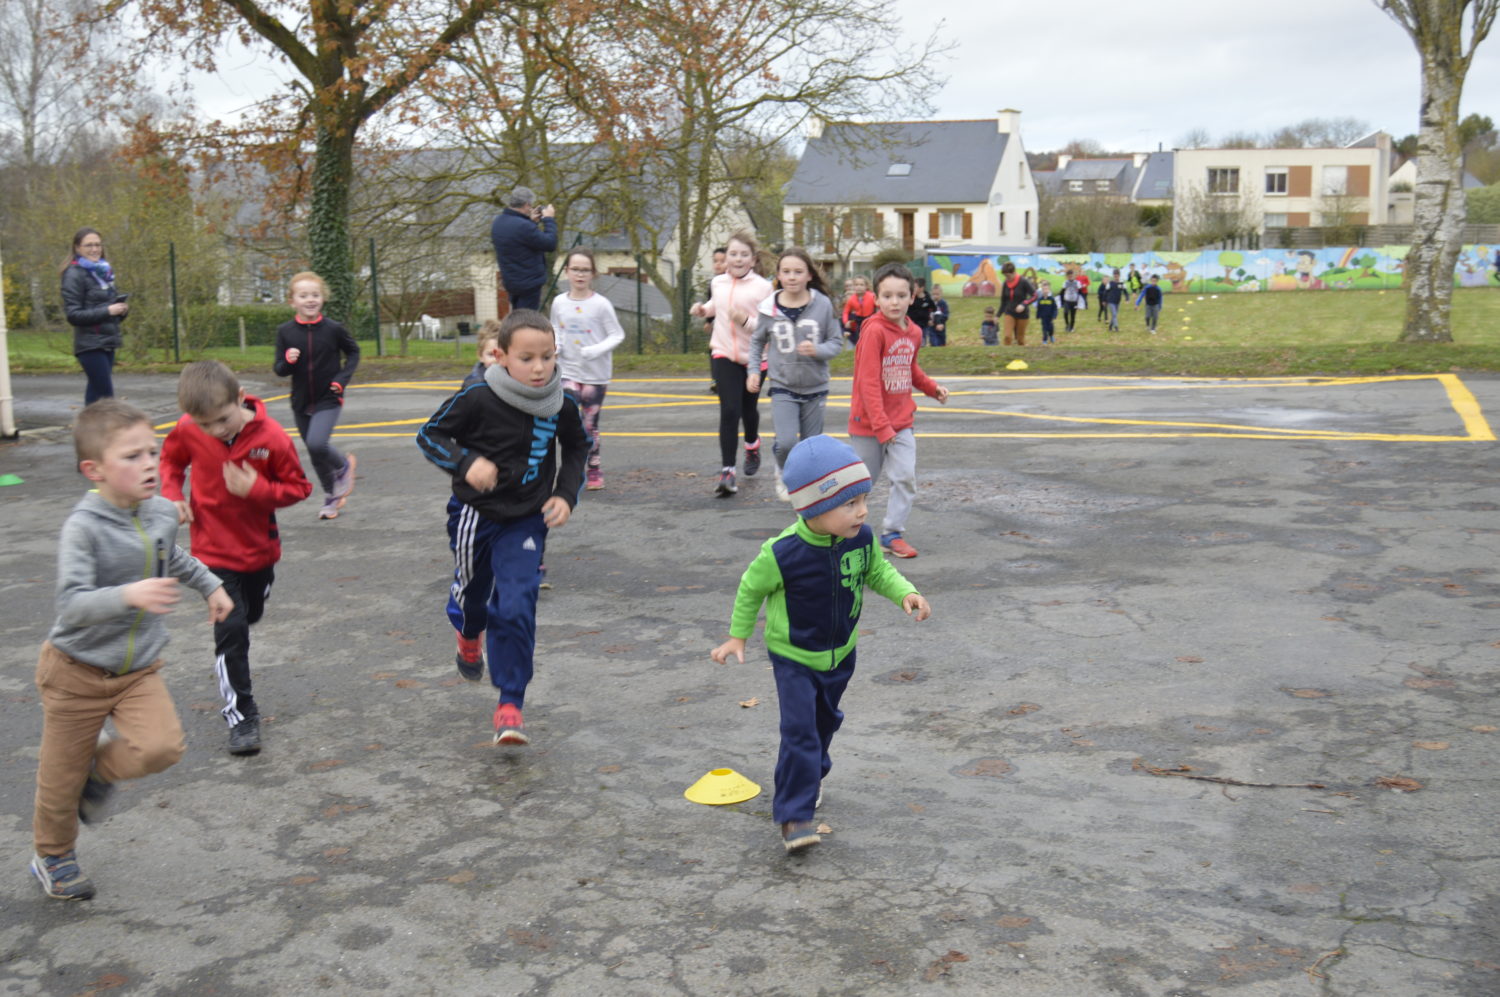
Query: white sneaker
x=781 y=491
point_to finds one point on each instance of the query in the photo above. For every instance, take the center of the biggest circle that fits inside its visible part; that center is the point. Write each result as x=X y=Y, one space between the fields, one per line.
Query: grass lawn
x=1239 y=335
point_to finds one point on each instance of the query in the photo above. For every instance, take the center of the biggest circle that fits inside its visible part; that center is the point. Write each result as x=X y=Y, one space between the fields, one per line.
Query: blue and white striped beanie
x=822 y=473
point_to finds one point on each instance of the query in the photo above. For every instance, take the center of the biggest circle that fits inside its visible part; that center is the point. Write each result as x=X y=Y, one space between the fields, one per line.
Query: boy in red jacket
x=881 y=407
x=245 y=467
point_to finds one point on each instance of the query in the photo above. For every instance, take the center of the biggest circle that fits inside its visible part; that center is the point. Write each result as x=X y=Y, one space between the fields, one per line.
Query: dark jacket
x=86 y=304
x=521 y=248
x=1010 y=297
x=920 y=309
x=476 y=423
x=1112 y=292
x=319 y=366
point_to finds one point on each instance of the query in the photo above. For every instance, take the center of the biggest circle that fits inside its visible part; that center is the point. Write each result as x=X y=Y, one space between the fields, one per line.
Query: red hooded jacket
x=230 y=532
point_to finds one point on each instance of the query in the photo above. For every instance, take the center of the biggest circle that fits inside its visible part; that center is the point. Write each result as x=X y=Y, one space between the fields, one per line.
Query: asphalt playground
x=1206 y=706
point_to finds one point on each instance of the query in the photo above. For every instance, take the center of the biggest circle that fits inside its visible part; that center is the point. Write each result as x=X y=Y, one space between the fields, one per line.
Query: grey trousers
x=796 y=417
x=899 y=458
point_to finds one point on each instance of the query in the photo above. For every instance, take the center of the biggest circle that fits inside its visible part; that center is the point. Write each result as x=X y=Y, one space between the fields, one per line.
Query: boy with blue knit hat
x=812 y=579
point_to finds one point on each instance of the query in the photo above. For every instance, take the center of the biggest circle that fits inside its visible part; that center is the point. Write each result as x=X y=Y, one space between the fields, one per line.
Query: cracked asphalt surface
x=1302 y=608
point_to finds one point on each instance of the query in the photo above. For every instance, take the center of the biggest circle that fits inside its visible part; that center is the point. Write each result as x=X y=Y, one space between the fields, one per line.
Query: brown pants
x=76 y=700
x=1013 y=328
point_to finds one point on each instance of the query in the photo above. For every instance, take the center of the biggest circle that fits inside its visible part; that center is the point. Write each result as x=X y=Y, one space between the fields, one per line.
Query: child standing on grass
x=244 y=468
x=308 y=349
x=1046 y=311
x=798 y=323
x=989 y=329
x=938 y=330
x=1151 y=295
x=118 y=574
x=859 y=306
x=736 y=297
x=587 y=333
x=881 y=408
x=499 y=441
x=812 y=580
x=1070 y=297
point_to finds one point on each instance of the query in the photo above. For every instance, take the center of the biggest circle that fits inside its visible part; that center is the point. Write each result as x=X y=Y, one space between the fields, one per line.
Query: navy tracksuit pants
x=810 y=716
x=496 y=574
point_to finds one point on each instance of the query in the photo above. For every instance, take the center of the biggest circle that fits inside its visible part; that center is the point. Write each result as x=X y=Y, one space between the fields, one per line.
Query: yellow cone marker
x=1017 y=365
x=722 y=786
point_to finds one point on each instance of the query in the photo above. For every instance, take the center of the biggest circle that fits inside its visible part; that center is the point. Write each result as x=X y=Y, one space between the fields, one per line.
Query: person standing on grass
x=522 y=236
x=320 y=357
x=1069 y=299
x=938 y=331
x=733 y=306
x=1151 y=295
x=1111 y=294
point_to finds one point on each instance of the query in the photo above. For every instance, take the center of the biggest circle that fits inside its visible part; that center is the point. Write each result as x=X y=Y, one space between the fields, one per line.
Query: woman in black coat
x=94 y=309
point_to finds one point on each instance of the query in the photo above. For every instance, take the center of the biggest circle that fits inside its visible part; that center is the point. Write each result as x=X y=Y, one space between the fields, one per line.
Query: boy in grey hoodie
x=797 y=333
x=118 y=569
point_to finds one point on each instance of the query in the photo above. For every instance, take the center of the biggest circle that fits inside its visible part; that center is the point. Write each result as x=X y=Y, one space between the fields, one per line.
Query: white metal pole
x=7 y=401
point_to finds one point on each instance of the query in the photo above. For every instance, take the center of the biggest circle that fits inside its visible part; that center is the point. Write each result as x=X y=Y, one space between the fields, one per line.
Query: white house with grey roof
x=1141 y=178
x=918 y=185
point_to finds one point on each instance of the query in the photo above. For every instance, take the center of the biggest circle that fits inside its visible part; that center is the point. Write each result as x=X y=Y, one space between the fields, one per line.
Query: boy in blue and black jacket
x=499 y=441
x=1046 y=312
x=812 y=579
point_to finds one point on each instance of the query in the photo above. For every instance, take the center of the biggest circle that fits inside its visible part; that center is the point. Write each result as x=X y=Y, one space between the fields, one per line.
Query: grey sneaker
x=60 y=876
x=244 y=737
x=799 y=834
x=94 y=798
x=343 y=481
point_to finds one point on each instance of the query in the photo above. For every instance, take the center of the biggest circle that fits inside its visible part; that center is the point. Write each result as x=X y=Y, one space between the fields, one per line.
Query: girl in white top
x=735 y=297
x=587 y=333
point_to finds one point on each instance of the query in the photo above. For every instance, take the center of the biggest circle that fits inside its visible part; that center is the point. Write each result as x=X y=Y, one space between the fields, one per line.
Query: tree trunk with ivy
x=328 y=219
x=1436 y=27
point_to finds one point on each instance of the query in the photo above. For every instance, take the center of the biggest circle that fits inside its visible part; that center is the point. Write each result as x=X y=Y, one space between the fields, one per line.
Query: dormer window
x=899 y=170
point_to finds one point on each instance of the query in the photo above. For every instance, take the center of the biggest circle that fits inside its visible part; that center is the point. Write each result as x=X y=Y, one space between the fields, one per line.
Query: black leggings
x=736 y=405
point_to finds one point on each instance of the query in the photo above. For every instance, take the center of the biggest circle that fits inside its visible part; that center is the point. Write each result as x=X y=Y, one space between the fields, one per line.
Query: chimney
x=1009 y=122
x=1063 y=159
x=815 y=126
x=1139 y=158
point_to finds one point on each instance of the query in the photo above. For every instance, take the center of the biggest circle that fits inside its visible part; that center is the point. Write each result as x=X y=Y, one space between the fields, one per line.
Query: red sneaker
x=470 y=657
x=897 y=547
x=508 y=725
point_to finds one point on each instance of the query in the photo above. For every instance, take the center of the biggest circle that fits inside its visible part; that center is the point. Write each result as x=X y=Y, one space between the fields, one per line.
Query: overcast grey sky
x=1134 y=74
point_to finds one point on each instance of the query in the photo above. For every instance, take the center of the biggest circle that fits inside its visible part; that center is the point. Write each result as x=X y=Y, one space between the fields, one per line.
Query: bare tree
x=1446 y=48
x=1195 y=138
x=44 y=110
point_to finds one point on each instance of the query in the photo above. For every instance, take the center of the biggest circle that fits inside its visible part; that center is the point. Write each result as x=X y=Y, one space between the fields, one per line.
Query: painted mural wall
x=1328 y=269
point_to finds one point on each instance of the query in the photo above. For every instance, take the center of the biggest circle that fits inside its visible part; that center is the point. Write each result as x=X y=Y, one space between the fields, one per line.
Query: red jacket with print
x=239 y=534
x=885 y=371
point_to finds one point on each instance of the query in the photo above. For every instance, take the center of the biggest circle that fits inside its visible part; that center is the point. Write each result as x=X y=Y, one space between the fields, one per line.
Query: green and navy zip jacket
x=813 y=587
x=102 y=549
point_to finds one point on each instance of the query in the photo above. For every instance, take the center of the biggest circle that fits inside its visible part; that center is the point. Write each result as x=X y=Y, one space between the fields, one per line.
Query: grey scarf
x=544 y=401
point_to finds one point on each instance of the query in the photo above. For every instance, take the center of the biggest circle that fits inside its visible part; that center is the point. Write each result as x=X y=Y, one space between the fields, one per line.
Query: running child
x=244 y=467
x=798 y=323
x=881 y=408
x=472 y=581
x=858 y=306
x=812 y=579
x=736 y=295
x=118 y=574
x=1151 y=295
x=309 y=349
x=587 y=333
x=499 y=441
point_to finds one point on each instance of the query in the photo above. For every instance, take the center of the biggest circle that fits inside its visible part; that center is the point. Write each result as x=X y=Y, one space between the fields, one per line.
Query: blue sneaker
x=61 y=878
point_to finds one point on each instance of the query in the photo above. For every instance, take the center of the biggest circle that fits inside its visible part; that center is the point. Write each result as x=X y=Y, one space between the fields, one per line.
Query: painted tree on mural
x=351 y=62
x=1446 y=48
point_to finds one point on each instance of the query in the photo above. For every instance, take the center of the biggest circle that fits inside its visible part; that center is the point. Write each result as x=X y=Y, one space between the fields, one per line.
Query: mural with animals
x=1210 y=270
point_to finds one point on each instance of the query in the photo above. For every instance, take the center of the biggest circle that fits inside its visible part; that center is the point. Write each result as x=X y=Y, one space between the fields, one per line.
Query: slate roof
x=1156 y=175
x=952 y=162
x=621 y=293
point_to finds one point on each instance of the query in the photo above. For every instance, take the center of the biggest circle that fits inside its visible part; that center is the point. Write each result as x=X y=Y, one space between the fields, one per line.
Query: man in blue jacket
x=523 y=236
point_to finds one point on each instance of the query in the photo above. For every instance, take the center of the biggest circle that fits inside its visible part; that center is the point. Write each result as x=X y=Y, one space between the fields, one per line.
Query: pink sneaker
x=897 y=547
x=595 y=479
x=509 y=725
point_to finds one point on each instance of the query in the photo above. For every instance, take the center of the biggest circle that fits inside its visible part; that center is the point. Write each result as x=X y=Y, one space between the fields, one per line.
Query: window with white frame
x=1223 y=180
x=1026 y=229
x=1274 y=220
x=1075 y=185
x=862 y=225
x=951 y=224
x=1276 y=180
x=1102 y=186
x=1335 y=181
